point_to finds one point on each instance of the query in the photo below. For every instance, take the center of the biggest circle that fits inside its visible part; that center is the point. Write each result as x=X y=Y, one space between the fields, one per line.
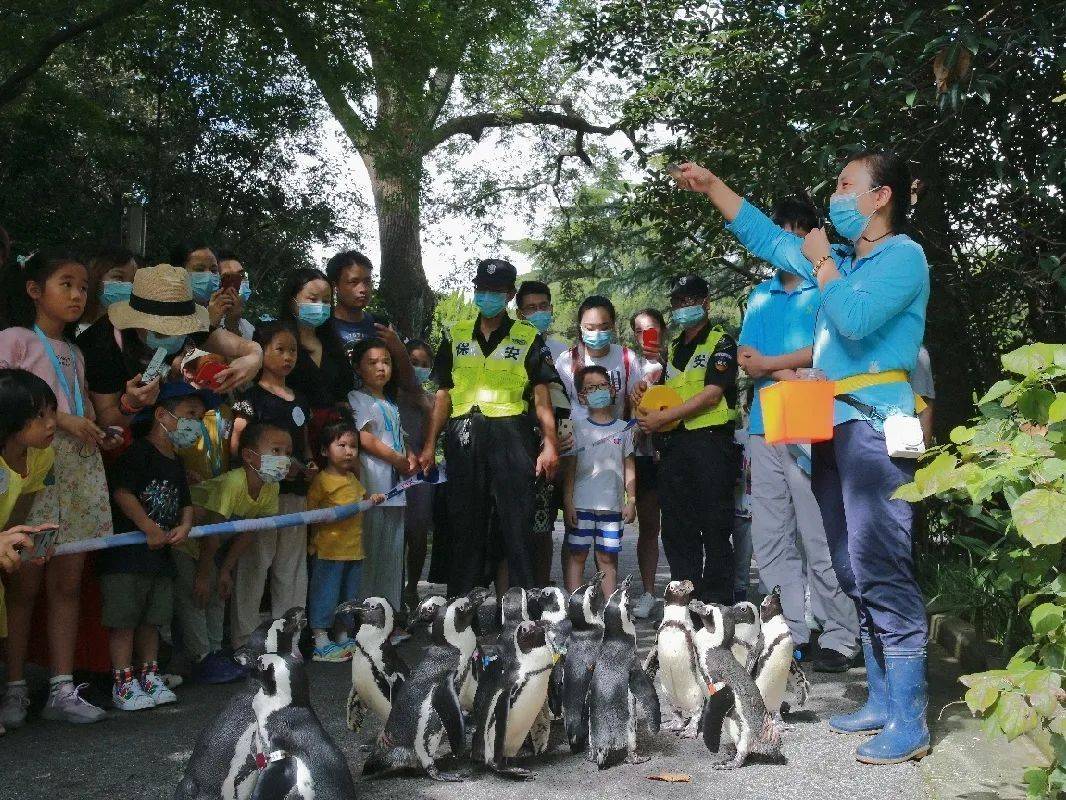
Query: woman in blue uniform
x=869 y=328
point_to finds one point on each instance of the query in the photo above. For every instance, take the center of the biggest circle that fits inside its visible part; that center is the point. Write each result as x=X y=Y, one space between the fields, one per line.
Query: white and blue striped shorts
x=602 y=528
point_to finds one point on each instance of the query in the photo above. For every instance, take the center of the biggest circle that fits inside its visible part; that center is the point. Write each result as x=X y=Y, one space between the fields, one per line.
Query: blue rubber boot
x=906 y=734
x=872 y=716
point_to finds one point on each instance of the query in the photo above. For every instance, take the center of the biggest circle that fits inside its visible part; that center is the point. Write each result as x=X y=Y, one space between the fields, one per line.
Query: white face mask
x=186 y=434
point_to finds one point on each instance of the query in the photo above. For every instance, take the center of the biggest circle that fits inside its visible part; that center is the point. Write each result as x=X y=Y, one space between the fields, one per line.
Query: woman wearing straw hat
x=160 y=313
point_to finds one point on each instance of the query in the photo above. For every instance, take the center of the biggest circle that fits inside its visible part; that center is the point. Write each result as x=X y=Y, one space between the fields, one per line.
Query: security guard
x=488 y=369
x=699 y=463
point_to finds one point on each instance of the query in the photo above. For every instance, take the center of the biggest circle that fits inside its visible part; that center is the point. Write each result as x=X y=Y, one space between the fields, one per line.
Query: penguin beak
x=624 y=585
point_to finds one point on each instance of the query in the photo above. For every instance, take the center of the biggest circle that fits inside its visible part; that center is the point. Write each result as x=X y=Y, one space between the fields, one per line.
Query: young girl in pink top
x=43 y=300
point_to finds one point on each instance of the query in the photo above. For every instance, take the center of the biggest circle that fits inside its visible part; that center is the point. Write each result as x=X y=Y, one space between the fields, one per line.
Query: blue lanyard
x=74 y=399
x=387 y=410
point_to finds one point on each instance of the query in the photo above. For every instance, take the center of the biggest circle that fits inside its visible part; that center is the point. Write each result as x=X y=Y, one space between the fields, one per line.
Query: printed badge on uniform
x=298 y=416
x=722 y=362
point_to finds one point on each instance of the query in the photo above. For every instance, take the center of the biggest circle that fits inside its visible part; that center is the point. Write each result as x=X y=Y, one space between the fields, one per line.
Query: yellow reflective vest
x=495 y=383
x=689 y=382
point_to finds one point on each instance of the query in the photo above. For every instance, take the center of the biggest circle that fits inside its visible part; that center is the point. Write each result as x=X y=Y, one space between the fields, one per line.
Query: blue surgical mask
x=596 y=339
x=541 y=320
x=422 y=373
x=186 y=434
x=245 y=291
x=845 y=215
x=273 y=469
x=314 y=314
x=203 y=285
x=599 y=398
x=172 y=344
x=688 y=316
x=112 y=292
x=490 y=303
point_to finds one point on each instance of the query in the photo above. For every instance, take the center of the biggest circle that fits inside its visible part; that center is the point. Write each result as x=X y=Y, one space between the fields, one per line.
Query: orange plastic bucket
x=798 y=412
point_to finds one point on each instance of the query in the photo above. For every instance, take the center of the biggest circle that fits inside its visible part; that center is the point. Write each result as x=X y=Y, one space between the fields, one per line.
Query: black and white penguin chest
x=680 y=674
x=525 y=691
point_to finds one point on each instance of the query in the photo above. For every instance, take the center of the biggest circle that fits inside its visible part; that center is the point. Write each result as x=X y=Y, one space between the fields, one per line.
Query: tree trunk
x=403 y=286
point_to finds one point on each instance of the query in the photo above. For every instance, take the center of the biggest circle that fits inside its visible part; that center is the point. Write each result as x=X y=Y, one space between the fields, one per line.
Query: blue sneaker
x=332 y=653
x=216 y=668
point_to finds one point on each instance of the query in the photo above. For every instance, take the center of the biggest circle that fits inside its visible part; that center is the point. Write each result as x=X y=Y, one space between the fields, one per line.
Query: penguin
x=734 y=705
x=774 y=664
x=552 y=603
x=585 y=612
x=510 y=697
x=677 y=662
x=427 y=706
x=747 y=643
x=299 y=760
x=223 y=761
x=621 y=694
x=377 y=670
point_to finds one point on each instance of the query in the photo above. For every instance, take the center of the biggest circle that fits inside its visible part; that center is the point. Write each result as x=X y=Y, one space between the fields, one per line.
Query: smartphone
x=649 y=338
x=43 y=541
x=565 y=428
x=232 y=280
x=157 y=367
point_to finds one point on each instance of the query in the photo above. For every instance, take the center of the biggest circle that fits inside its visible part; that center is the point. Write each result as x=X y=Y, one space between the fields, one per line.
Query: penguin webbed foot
x=675 y=725
x=515 y=773
x=690 y=730
x=446 y=777
x=634 y=758
x=727 y=763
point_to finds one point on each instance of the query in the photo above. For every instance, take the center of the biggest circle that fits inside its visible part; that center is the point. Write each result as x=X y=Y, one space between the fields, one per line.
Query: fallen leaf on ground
x=670 y=777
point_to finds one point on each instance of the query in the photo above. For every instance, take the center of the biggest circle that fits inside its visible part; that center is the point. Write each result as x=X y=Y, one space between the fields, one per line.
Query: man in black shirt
x=485 y=368
x=699 y=462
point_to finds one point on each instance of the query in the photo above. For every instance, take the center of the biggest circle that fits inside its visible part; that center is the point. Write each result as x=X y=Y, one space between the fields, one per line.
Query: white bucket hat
x=160 y=302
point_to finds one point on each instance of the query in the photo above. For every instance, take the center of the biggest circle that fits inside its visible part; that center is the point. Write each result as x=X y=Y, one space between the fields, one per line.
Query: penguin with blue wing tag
x=299 y=760
x=223 y=763
x=621 y=695
x=510 y=697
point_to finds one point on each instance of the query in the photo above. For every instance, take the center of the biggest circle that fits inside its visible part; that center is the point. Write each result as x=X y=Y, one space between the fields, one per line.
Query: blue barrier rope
x=335 y=514
x=612 y=437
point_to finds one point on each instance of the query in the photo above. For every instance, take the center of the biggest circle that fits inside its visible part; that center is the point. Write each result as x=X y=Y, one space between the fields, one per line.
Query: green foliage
x=773 y=96
x=1005 y=476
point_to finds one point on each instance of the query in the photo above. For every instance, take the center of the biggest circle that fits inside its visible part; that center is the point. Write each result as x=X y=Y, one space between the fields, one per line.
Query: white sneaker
x=645 y=605
x=129 y=696
x=65 y=704
x=156 y=688
x=13 y=709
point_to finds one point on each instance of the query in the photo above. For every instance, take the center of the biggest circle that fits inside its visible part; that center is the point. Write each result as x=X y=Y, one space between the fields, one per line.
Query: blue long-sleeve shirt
x=777 y=322
x=871 y=319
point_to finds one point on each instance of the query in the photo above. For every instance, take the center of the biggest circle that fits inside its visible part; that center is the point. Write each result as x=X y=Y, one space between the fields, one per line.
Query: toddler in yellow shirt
x=336 y=548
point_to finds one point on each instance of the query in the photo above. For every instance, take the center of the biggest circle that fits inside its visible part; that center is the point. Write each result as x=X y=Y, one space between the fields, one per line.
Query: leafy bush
x=1006 y=475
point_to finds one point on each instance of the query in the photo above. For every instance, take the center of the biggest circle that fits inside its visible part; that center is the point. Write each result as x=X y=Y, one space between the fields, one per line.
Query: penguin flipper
x=446 y=704
x=647 y=700
x=278 y=779
x=715 y=709
x=394 y=663
x=555 y=690
x=502 y=710
x=651 y=663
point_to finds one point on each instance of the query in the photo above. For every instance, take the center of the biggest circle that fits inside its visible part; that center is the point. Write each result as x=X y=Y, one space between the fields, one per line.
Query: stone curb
x=960 y=640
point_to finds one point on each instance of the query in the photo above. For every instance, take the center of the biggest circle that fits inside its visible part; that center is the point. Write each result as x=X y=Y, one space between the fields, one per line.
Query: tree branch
x=13 y=85
x=440 y=87
x=475 y=125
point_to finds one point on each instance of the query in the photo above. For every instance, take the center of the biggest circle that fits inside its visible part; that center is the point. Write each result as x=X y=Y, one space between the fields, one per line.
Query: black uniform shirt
x=721 y=369
x=539 y=366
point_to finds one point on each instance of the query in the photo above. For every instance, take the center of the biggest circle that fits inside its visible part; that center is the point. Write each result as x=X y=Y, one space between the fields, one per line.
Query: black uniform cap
x=689 y=286
x=495 y=273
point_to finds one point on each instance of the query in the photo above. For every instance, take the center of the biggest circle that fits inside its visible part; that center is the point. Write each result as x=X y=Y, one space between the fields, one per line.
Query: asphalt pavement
x=142 y=755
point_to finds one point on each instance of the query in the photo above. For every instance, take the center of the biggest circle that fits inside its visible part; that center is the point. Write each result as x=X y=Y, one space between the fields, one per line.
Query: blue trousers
x=869 y=534
x=332 y=583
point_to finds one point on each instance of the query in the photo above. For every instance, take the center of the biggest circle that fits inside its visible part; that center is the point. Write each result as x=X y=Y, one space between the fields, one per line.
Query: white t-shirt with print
x=623 y=365
x=382 y=419
x=599 y=480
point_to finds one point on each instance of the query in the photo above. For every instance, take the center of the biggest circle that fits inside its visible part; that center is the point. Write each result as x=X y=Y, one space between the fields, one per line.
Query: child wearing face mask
x=151 y=494
x=280 y=555
x=250 y=491
x=599 y=482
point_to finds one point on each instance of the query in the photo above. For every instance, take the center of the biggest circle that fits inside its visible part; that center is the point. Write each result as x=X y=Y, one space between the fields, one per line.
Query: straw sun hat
x=160 y=302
